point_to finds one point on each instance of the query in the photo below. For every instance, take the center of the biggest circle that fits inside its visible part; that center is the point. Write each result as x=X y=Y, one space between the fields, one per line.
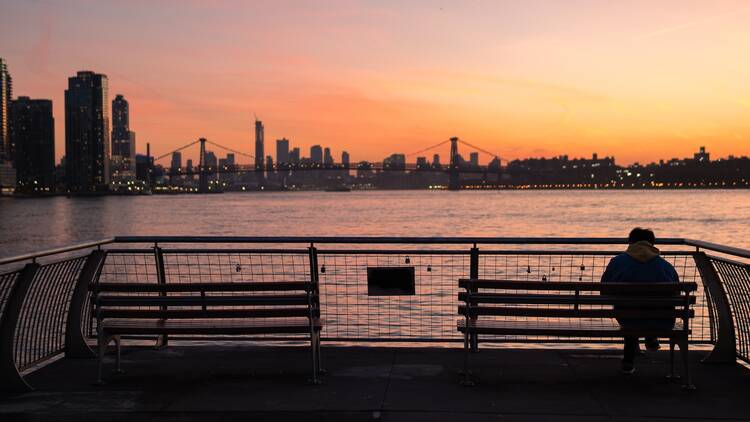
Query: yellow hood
x=642 y=251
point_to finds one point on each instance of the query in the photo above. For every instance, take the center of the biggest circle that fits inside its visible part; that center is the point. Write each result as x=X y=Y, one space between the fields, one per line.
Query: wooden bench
x=255 y=309
x=574 y=310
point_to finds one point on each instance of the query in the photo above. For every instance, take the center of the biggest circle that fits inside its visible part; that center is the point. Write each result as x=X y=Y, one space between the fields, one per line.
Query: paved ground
x=391 y=384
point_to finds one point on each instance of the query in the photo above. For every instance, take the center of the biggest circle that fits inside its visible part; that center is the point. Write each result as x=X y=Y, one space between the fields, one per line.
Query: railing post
x=163 y=340
x=314 y=274
x=12 y=381
x=75 y=339
x=724 y=350
x=474 y=274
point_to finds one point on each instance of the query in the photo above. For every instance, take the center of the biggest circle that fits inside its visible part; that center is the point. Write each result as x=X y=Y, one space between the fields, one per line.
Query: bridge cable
x=428 y=148
x=230 y=149
x=177 y=150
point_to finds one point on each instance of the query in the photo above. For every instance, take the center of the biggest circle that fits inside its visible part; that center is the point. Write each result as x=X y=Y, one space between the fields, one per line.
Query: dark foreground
x=392 y=384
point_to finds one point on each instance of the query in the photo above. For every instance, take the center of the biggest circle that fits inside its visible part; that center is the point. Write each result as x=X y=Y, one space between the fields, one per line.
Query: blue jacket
x=641 y=264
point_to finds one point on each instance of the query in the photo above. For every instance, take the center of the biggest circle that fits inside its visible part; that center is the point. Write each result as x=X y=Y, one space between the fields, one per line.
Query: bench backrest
x=205 y=300
x=547 y=299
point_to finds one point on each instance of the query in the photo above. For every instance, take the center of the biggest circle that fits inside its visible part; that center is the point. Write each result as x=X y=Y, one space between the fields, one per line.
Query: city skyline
x=653 y=74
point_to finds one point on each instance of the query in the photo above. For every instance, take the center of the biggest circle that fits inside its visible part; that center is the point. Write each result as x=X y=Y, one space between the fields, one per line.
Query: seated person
x=641 y=263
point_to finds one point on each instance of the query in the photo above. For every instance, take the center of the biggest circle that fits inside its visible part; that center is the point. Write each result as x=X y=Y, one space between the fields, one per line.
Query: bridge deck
x=243 y=382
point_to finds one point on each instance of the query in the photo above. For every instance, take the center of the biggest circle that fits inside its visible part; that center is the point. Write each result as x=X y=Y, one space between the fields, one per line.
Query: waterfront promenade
x=48 y=333
x=391 y=384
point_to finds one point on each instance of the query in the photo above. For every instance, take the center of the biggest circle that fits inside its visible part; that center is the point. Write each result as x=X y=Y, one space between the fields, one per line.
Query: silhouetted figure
x=641 y=263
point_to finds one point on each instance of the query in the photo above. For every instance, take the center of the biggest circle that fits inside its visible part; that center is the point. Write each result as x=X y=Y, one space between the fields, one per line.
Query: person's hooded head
x=641 y=245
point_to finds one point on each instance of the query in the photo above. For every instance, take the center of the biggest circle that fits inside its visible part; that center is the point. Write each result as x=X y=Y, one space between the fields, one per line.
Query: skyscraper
x=123 y=141
x=259 y=149
x=282 y=151
x=176 y=161
x=6 y=93
x=345 y=158
x=294 y=156
x=327 y=157
x=316 y=154
x=474 y=159
x=32 y=132
x=87 y=132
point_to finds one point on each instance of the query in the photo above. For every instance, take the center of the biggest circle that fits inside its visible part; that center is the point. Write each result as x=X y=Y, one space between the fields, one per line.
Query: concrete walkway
x=391 y=384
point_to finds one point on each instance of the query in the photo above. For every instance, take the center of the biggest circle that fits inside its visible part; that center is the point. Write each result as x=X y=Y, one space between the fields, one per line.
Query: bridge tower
x=202 y=176
x=454 y=183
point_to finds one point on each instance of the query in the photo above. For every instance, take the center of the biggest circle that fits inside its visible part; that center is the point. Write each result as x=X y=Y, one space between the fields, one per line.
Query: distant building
x=345 y=159
x=327 y=157
x=33 y=135
x=294 y=156
x=474 y=159
x=269 y=163
x=282 y=151
x=122 y=163
x=211 y=161
x=6 y=94
x=436 y=161
x=702 y=156
x=7 y=172
x=259 y=146
x=176 y=163
x=316 y=154
x=87 y=133
x=189 y=165
x=421 y=162
x=395 y=162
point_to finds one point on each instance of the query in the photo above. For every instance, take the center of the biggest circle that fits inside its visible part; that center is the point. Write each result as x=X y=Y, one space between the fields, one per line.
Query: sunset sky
x=640 y=80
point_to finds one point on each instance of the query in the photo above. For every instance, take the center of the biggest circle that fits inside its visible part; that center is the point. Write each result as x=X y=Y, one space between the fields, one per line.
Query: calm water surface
x=720 y=216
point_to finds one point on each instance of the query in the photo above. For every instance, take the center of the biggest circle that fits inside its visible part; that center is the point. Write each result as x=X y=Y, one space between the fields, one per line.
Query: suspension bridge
x=454 y=168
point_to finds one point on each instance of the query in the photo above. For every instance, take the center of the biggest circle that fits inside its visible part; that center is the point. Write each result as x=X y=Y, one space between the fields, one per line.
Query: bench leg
x=101 y=350
x=467 y=376
x=118 y=344
x=321 y=370
x=314 y=355
x=672 y=374
x=687 y=386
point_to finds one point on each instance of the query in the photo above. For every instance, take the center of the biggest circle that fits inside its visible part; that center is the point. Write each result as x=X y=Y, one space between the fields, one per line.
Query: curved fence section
x=40 y=333
x=735 y=278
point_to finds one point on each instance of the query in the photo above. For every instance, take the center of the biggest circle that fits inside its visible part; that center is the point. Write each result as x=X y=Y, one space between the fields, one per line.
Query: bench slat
x=580 y=286
x=256 y=300
x=568 y=299
x=201 y=287
x=558 y=329
x=155 y=326
x=207 y=313
x=576 y=313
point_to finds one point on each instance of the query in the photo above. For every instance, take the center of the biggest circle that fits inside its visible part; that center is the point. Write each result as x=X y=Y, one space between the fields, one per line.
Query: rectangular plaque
x=390 y=281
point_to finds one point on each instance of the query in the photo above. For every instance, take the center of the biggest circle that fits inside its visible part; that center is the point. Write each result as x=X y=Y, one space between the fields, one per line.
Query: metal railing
x=44 y=309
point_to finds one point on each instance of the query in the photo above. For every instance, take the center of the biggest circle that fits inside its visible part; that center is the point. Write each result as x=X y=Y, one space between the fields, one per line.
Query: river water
x=720 y=216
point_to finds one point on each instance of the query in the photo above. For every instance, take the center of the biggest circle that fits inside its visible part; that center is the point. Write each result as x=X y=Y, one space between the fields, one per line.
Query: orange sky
x=640 y=80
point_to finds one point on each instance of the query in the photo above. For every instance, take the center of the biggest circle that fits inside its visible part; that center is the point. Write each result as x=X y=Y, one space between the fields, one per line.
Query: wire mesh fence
x=40 y=332
x=735 y=277
x=350 y=314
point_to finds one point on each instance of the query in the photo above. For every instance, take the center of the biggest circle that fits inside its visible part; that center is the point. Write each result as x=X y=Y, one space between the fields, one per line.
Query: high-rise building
x=87 y=133
x=436 y=161
x=474 y=159
x=345 y=158
x=327 y=157
x=294 y=156
x=269 y=164
x=176 y=161
x=421 y=162
x=32 y=132
x=316 y=154
x=123 y=141
x=6 y=93
x=259 y=149
x=282 y=151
